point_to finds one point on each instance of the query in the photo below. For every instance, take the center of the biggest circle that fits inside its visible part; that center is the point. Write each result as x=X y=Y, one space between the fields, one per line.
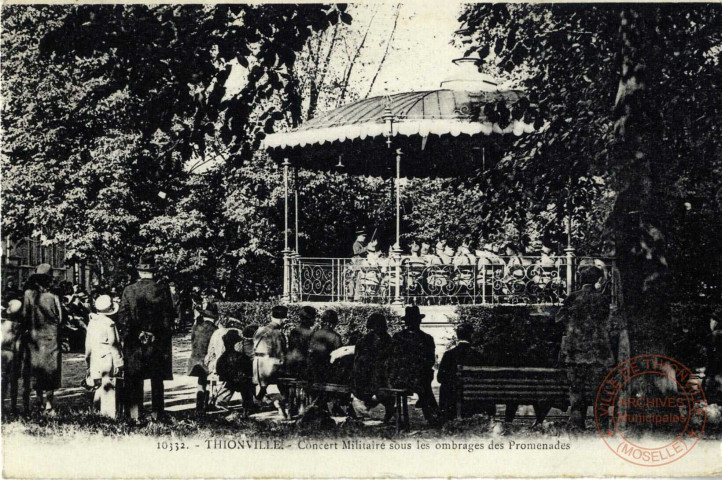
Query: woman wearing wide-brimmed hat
x=103 y=355
x=42 y=315
x=201 y=334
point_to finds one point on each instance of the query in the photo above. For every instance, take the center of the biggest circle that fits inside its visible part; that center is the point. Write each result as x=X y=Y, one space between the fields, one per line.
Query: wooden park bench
x=525 y=386
x=298 y=391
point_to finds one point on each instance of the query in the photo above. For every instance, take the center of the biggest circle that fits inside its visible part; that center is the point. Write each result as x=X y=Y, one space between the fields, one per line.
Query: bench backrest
x=522 y=385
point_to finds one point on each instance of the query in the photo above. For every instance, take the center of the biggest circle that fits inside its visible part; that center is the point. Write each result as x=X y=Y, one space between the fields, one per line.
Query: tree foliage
x=658 y=151
x=105 y=106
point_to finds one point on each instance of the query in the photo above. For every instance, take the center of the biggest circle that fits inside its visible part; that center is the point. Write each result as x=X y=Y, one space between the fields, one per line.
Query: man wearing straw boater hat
x=145 y=319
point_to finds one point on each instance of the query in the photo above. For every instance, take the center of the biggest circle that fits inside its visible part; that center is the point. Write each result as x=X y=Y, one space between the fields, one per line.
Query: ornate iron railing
x=502 y=280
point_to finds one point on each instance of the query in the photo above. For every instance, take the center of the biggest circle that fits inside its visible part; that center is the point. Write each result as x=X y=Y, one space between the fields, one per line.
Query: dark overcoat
x=297 y=359
x=587 y=337
x=713 y=369
x=461 y=354
x=42 y=317
x=147 y=306
x=412 y=360
x=369 y=366
x=320 y=346
x=200 y=339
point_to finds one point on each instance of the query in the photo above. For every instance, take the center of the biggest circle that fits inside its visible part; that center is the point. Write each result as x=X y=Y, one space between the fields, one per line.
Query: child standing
x=12 y=330
x=203 y=329
x=103 y=355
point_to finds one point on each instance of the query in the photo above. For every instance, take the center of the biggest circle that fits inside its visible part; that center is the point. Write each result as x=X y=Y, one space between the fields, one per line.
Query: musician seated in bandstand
x=488 y=255
x=464 y=257
x=547 y=259
x=370 y=274
x=435 y=258
x=447 y=257
x=515 y=255
x=464 y=261
x=425 y=252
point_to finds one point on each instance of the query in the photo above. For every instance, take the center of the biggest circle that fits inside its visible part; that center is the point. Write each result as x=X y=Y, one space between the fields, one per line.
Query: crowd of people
x=128 y=341
x=495 y=270
x=248 y=360
x=506 y=253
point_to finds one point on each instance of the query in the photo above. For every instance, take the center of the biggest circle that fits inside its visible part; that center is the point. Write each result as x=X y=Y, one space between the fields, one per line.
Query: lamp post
x=396 y=250
x=286 y=251
x=569 y=250
x=295 y=205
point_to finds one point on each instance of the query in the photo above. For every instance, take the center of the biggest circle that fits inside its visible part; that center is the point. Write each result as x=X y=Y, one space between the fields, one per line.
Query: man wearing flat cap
x=411 y=365
x=269 y=350
x=145 y=321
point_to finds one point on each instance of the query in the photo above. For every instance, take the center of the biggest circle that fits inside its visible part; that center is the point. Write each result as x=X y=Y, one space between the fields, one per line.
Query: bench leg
x=398 y=414
x=405 y=401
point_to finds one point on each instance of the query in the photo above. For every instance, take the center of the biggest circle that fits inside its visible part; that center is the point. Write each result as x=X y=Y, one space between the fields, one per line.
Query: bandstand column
x=295 y=205
x=570 y=257
x=286 y=251
x=397 y=247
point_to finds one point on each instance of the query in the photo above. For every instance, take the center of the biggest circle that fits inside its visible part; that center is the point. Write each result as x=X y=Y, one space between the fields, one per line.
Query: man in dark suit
x=462 y=354
x=412 y=362
x=146 y=319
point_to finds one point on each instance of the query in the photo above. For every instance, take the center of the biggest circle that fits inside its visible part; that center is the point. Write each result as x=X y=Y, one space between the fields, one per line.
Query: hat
x=376 y=321
x=307 y=313
x=231 y=338
x=105 y=304
x=146 y=263
x=412 y=313
x=360 y=231
x=14 y=306
x=232 y=322
x=211 y=311
x=589 y=275
x=250 y=331
x=330 y=317
x=44 y=269
x=464 y=331
x=279 y=312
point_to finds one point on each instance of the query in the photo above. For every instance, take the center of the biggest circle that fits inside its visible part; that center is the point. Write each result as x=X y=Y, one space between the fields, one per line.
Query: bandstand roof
x=440 y=132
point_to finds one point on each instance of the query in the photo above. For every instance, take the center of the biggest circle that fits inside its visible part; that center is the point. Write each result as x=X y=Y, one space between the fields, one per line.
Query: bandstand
x=426 y=134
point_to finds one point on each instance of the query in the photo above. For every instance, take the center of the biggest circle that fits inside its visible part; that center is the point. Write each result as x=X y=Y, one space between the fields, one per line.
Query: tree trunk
x=637 y=223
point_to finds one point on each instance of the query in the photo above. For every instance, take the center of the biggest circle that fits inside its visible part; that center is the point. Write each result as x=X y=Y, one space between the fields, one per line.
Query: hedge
x=512 y=336
x=352 y=318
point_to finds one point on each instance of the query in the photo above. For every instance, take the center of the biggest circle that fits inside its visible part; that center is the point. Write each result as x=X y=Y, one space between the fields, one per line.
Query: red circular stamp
x=649 y=410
